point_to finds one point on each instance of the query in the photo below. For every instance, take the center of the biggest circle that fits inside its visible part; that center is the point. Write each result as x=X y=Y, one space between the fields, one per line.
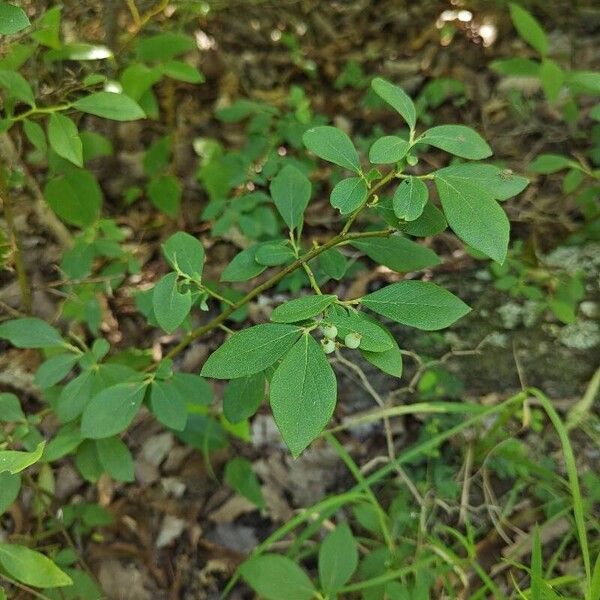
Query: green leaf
x=64 y=138
x=30 y=332
x=275 y=253
x=164 y=46
x=171 y=307
x=333 y=263
x=15 y=461
x=116 y=458
x=243 y=266
x=374 y=338
x=87 y=461
x=474 y=215
x=276 y=577
x=537 y=575
x=550 y=163
x=291 y=190
x=74 y=397
x=501 y=184
x=584 y=82
x=10 y=486
x=16 y=86
x=242 y=397
x=137 y=79
x=552 y=78
x=194 y=390
x=95 y=145
x=302 y=394
x=54 y=370
x=12 y=19
x=398 y=253
x=397 y=98
x=419 y=304
x=529 y=28
x=168 y=405
x=31 y=567
x=75 y=197
x=410 y=199
x=338 y=559
x=458 y=140
x=349 y=194
x=388 y=149
x=10 y=408
x=181 y=71
x=251 y=351
x=185 y=254
x=520 y=67
x=388 y=361
x=35 y=134
x=164 y=192
x=430 y=223
x=300 y=309
x=111 y=411
x=117 y=107
x=240 y=476
x=333 y=145
x=63 y=443
x=47 y=30
x=158 y=156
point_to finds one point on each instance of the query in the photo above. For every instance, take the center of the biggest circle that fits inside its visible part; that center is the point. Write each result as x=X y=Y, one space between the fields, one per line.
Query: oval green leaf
x=301 y=309
x=459 y=140
x=111 y=411
x=251 y=351
x=171 y=306
x=333 y=145
x=117 y=107
x=397 y=98
x=31 y=567
x=349 y=194
x=291 y=190
x=303 y=394
x=410 y=199
x=388 y=149
x=419 y=304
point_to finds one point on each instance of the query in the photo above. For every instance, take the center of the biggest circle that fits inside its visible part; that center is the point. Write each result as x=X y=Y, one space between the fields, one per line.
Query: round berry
x=412 y=160
x=328 y=345
x=352 y=340
x=330 y=331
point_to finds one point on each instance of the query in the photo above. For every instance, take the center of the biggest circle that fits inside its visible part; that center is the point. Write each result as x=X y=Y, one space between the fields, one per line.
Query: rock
x=156 y=448
x=238 y=538
x=67 y=482
x=265 y=432
x=145 y=473
x=173 y=486
x=123 y=581
x=171 y=528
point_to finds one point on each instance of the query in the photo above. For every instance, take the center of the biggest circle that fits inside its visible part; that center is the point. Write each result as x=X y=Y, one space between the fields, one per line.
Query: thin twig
x=269 y=283
x=23 y=587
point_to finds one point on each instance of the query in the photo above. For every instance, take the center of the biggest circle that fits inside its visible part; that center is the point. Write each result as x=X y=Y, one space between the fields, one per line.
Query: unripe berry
x=330 y=331
x=327 y=345
x=412 y=160
x=353 y=340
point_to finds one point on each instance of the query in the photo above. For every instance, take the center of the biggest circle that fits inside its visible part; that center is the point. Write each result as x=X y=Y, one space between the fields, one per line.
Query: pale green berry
x=330 y=331
x=352 y=340
x=412 y=160
x=328 y=345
